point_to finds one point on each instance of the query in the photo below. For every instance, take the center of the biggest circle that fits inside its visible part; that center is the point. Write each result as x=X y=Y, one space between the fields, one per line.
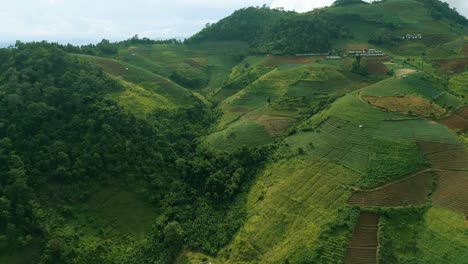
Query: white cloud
x=91 y=20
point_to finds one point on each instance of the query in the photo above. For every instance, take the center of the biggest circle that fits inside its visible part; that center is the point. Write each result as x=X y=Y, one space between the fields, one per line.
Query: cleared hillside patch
x=451 y=65
x=362 y=248
x=245 y=133
x=413 y=190
x=273 y=61
x=458 y=120
x=412 y=105
x=425 y=130
x=138 y=100
x=412 y=84
x=452 y=191
x=445 y=156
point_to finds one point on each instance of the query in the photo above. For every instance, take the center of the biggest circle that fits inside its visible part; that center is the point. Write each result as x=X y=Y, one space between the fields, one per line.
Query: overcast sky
x=80 y=21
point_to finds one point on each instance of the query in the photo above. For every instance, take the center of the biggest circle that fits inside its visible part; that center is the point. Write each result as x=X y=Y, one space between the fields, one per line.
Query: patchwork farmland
x=413 y=190
x=451 y=191
x=362 y=248
x=410 y=105
x=458 y=120
x=445 y=156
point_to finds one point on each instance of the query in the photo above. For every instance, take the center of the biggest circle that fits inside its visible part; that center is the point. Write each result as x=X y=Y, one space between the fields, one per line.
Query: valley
x=241 y=147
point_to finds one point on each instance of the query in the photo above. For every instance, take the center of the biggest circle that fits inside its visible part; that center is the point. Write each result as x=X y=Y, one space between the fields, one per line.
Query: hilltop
x=338 y=135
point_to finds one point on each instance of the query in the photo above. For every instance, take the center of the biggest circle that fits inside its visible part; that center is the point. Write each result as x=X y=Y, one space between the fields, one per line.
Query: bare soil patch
x=376 y=67
x=402 y=72
x=451 y=65
x=413 y=190
x=452 y=191
x=445 y=156
x=458 y=120
x=273 y=61
x=363 y=245
x=111 y=67
x=275 y=125
x=415 y=105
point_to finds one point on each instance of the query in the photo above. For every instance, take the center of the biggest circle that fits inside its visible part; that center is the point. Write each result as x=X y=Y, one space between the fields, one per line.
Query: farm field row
x=458 y=120
x=445 y=156
x=413 y=190
x=288 y=207
x=362 y=247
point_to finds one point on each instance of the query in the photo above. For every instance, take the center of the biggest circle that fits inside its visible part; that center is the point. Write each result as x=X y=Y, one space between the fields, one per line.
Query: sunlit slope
x=276 y=92
x=390 y=20
x=210 y=62
x=145 y=91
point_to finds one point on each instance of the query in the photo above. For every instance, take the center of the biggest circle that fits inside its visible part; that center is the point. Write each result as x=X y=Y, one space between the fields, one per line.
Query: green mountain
x=333 y=136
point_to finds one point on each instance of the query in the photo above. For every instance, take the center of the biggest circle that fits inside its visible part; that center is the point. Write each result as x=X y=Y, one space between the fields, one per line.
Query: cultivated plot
x=413 y=190
x=362 y=248
x=452 y=191
x=458 y=120
x=445 y=156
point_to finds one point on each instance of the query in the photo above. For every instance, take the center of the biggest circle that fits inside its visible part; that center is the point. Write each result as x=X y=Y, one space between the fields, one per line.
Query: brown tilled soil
x=417 y=105
x=376 y=67
x=362 y=248
x=413 y=190
x=111 y=67
x=273 y=61
x=452 y=191
x=275 y=125
x=451 y=65
x=458 y=120
x=445 y=156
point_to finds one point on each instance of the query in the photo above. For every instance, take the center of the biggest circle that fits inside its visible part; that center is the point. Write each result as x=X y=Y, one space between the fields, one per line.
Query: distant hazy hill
x=5 y=44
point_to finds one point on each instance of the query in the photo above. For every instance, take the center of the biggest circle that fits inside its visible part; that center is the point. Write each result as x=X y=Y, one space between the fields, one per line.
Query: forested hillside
x=62 y=141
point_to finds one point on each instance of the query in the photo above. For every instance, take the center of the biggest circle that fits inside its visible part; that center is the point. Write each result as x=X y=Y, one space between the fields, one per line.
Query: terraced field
x=288 y=207
x=413 y=84
x=411 y=105
x=458 y=120
x=338 y=140
x=362 y=248
x=445 y=156
x=451 y=65
x=413 y=190
x=451 y=192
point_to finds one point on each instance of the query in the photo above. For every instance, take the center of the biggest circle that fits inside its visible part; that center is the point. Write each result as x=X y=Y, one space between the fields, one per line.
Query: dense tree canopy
x=58 y=130
x=275 y=31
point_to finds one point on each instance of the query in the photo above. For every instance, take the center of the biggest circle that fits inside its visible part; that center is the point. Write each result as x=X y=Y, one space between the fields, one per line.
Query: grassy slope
x=145 y=91
x=293 y=200
x=289 y=206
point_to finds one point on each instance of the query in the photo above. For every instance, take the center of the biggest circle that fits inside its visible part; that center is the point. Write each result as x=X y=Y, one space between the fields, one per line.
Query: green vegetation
x=390 y=160
x=418 y=235
x=62 y=140
x=231 y=147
